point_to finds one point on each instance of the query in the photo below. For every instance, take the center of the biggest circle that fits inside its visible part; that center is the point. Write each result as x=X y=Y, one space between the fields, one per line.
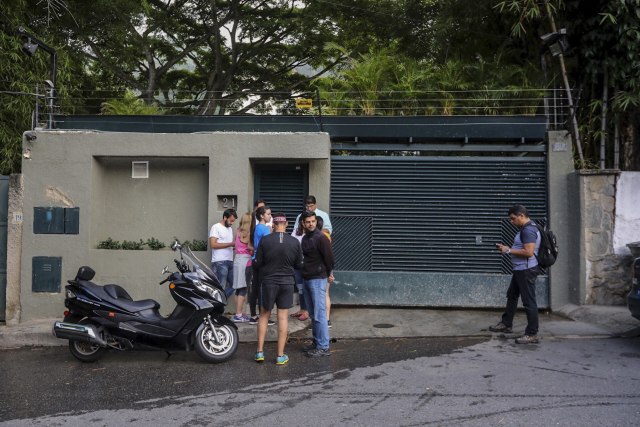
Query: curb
x=38 y=333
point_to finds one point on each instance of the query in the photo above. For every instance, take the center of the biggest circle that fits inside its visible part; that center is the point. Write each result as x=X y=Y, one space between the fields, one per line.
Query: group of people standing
x=267 y=264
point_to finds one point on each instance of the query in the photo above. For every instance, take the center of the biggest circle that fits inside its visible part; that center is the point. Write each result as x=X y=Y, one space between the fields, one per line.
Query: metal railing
x=549 y=103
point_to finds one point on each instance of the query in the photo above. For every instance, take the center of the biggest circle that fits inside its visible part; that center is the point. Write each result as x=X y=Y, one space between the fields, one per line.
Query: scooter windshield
x=197 y=266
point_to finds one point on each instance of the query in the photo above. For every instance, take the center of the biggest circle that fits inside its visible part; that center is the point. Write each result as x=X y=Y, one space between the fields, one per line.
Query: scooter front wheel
x=216 y=344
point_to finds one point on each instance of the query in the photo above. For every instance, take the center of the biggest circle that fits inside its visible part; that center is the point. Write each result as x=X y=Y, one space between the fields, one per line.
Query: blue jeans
x=224 y=273
x=315 y=293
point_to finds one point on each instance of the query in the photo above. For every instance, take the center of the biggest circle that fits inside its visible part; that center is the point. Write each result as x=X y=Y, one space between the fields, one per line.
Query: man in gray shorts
x=279 y=254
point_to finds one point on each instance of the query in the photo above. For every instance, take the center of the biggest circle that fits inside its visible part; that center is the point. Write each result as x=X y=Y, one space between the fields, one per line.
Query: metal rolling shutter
x=284 y=188
x=430 y=214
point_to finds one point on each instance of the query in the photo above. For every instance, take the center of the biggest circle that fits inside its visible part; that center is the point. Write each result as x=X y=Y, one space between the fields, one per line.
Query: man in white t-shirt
x=222 y=243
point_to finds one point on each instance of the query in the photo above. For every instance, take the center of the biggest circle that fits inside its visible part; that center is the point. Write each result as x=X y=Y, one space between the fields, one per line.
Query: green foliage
x=109 y=244
x=155 y=244
x=196 y=245
x=386 y=82
x=384 y=57
x=201 y=55
x=133 y=245
x=129 y=105
x=22 y=77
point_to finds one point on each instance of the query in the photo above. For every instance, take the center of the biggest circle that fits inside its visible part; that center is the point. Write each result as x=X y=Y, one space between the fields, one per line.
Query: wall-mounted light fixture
x=29 y=47
x=556 y=42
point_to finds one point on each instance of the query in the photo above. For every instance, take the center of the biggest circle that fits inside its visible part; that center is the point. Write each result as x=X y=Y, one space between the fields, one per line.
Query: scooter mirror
x=165 y=270
x=176 y=245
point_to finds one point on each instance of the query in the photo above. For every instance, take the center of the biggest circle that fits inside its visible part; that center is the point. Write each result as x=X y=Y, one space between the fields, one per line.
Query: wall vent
x=140 y=169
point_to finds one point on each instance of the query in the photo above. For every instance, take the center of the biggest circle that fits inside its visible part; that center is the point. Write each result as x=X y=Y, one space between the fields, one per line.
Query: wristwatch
x=508 y=251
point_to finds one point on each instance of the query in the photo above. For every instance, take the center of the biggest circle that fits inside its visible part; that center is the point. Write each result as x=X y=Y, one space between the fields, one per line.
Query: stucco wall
x=607 y=274
x=14 y=249
x=72 y=169
x=563 y=209
x=175 y=197
x=627 y=219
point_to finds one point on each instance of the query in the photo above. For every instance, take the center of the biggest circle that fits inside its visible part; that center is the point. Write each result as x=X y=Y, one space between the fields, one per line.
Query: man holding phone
x=525 y=271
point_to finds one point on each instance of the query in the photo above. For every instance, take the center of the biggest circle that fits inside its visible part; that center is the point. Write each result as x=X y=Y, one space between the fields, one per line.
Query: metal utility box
x=56 y=220
x=46 y=274
x=71 y=220
x=48 y=220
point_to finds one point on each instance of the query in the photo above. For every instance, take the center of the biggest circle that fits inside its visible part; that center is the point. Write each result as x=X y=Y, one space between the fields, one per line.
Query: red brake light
x=66 y=313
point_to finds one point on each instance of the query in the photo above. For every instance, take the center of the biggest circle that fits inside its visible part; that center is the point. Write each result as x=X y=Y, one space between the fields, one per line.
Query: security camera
x=30 y=136
x=49 y=84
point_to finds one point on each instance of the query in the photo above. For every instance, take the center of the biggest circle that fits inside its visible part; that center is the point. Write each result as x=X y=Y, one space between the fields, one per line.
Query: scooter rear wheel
x=84 y=351
x=216 y=350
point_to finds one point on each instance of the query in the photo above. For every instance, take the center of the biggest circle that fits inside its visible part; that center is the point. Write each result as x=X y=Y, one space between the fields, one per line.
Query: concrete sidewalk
x=570 y=321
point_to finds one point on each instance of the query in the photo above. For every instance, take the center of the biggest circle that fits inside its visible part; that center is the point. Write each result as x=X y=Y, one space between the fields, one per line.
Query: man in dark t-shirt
x=278 y=255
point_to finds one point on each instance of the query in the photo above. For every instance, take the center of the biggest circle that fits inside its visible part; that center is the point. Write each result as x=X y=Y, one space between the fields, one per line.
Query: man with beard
x=317 y=271
x=222 y=243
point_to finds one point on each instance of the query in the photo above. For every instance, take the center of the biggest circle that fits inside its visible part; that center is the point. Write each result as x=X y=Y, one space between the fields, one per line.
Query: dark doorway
x=283 y=187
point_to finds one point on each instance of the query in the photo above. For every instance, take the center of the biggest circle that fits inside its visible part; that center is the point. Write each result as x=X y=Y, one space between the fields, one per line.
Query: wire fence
x=549 y=103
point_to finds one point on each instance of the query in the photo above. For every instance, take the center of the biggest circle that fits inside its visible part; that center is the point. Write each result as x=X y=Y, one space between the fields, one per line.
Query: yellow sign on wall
x=304 y=103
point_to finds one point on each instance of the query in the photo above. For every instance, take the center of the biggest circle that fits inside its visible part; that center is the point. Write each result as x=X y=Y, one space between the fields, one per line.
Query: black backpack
x=548 y=250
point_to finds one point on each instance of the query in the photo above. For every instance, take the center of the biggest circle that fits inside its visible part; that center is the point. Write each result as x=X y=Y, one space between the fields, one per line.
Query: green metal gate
x=421 y=231
x=4 y=215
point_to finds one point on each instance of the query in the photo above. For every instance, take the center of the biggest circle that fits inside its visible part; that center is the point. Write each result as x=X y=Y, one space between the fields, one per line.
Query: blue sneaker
x=240 y=319
x=259 y=357
x=282 y=360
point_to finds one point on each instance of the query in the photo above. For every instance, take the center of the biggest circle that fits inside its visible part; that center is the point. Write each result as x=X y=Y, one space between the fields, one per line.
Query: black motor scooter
x=106 y=317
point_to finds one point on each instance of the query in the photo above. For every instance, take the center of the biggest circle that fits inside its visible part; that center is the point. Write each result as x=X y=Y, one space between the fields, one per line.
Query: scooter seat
x=134 y=306
x=124 y=299
x=118 y=296
x=117 y=292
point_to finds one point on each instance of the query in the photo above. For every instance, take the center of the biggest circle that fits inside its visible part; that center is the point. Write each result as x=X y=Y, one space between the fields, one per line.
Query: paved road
x=384 y=382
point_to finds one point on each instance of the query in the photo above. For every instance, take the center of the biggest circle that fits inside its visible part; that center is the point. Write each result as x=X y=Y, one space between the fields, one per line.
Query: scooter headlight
x=213 y=292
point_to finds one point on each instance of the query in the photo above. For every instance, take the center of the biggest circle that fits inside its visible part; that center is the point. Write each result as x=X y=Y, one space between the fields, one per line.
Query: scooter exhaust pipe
x=77 y=332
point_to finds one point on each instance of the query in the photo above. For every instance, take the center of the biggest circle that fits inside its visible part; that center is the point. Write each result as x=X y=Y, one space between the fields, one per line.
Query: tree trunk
x=628 y=136
x=603 y=119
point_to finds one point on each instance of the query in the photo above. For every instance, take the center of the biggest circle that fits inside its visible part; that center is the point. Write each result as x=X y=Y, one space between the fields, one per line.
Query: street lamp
x=29 y=48
x=556 y=42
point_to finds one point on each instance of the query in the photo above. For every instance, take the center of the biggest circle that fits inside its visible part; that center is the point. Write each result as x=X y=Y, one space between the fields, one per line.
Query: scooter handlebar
x=164 y=281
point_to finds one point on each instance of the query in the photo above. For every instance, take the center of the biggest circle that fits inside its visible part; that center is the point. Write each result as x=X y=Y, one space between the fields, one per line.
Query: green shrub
x=133 y=245
x=196 y=245
x=109 y=244
x=155 y=244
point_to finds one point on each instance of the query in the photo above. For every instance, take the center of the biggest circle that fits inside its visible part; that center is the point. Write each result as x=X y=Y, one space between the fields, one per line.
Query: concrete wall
x=92 y=171
x=605 y=273
x=14 y=249
x=627 y=219
x=563 y=209
x=177 y=188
